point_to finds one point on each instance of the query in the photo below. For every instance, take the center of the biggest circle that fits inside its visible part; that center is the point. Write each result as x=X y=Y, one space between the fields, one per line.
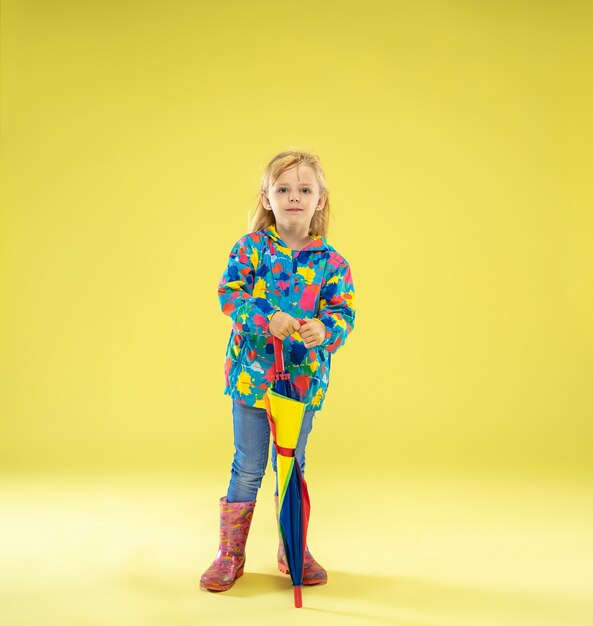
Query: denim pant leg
x=306 y=428
x=252 y=445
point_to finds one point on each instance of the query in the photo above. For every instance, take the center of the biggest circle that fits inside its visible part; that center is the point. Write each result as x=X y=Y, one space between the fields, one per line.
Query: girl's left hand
x=312 y=332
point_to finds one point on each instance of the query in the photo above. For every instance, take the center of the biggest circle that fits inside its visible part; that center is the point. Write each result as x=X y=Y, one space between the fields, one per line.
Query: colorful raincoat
x=263 y=276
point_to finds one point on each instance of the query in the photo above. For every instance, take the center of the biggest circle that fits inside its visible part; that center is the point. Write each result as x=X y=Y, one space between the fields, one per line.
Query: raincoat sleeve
x=336 y=306
x=238 y=290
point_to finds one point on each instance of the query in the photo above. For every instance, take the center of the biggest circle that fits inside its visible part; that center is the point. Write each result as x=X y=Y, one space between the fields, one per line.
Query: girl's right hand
x=282 y=325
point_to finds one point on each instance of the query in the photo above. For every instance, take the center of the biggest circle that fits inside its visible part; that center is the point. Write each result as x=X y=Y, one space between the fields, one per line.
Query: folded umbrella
x=285 y=414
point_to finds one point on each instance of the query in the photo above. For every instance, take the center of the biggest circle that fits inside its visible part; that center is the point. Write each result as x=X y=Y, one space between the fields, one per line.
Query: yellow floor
x=448 y=551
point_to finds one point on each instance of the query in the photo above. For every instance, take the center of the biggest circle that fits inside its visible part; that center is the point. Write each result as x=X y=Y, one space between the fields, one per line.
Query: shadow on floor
x=409 y=601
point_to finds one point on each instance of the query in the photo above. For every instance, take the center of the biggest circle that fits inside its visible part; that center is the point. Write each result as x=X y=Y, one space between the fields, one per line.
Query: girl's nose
x=294 y=196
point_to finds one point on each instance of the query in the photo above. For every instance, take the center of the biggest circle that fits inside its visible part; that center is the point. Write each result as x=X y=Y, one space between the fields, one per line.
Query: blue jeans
x=252 y=444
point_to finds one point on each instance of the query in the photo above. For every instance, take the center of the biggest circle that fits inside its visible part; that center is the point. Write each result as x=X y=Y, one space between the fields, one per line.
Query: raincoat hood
x=319 y=243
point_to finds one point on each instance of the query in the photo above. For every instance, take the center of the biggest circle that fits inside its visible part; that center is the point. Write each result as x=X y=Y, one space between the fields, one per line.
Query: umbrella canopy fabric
x=285 y=415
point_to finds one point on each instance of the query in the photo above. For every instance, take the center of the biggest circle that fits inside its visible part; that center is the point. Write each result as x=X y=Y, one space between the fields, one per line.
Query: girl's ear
x=264 y=200
x=321 y=203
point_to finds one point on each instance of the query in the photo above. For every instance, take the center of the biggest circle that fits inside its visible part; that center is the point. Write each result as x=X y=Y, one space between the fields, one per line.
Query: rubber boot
x=313 y=574
x=235 y=520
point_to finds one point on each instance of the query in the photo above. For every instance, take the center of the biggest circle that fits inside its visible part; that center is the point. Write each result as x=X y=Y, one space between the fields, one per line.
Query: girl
x=282 y=271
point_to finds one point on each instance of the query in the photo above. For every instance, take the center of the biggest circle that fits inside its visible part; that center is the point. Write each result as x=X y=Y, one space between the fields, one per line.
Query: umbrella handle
x=278 y=356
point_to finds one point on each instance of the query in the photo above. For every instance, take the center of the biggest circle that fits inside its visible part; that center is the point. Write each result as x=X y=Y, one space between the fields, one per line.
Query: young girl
x=281 y=272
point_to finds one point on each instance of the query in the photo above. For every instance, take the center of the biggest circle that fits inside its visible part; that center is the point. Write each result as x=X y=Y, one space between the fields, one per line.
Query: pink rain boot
x=314 y=574
x=235 y=520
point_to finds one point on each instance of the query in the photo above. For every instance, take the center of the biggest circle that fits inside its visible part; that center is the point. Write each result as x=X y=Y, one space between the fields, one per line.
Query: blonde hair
x=263 y=218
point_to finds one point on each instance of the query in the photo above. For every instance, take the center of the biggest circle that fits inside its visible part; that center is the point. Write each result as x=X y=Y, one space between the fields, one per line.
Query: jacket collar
x=319 y=243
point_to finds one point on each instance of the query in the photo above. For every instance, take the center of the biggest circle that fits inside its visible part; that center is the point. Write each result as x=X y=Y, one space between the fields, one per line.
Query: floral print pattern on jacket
x=263 y=276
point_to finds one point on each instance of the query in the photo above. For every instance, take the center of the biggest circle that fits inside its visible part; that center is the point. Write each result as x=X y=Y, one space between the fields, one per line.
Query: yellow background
x=456 y=139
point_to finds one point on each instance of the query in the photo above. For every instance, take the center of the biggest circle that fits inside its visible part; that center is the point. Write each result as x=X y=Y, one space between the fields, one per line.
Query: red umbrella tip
x=298 y=597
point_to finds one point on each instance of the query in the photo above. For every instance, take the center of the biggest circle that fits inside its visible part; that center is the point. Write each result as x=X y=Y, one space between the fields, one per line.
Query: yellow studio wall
x=456 y=141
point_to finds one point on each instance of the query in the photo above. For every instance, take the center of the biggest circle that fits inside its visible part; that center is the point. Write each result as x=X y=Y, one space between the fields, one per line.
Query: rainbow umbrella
x=285 y=414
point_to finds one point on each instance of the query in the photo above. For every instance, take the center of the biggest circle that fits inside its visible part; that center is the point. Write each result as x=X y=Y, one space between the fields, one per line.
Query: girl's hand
x=313 y=333
x=282 y=325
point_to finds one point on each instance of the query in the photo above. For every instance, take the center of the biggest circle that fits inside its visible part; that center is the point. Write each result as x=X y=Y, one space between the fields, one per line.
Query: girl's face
x=294 y=198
